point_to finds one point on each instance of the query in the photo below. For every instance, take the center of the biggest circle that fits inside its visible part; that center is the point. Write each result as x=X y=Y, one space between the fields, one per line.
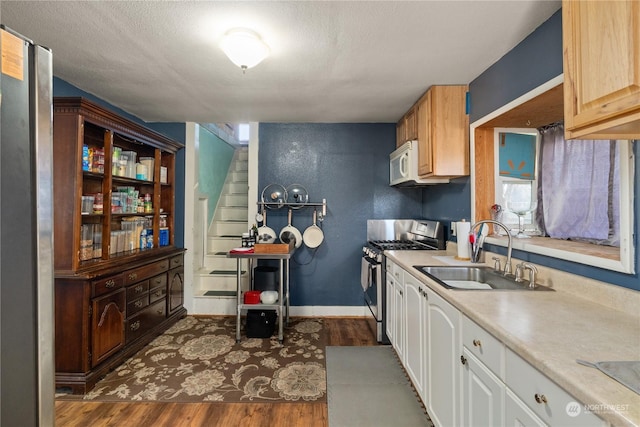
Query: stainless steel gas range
x=385 y=235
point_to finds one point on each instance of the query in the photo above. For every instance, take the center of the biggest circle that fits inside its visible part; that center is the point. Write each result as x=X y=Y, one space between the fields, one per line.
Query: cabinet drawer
x=546 y=399
x=157 y=281
x=484 y=346
x=137 y=290
x=176 y=261
x=145 y=320
x=137 y=274
x=394 y=270
x=106 y=285
x=134 y=306
x=157 y=293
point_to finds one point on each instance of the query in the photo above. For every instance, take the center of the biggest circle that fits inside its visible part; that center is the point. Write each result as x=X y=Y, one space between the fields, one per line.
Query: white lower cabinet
x=398 y=318
x=415 y=357
x=390 y=293
x=553 y=405
x=482 y=362
x=463 y=374
x=517 y=414
x=482 y=394
x=443 y=357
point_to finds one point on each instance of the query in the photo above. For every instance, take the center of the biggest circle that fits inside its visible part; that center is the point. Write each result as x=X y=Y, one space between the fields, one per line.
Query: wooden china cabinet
x=119 y=278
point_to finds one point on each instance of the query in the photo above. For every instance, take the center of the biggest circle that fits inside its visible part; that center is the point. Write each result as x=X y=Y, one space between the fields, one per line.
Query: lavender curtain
x=578 y=189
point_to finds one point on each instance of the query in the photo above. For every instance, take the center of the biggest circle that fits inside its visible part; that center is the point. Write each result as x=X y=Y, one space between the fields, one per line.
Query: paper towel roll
x=462 y=231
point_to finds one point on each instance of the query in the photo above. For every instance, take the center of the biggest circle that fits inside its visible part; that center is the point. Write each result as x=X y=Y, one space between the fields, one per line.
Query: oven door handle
x=372 y=273
x=371 y=260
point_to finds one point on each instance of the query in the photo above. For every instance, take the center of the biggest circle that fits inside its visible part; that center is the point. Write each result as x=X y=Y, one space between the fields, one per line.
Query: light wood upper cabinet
x=601 y=49
x=407 y=127
x=443 y=132
x=411 y=125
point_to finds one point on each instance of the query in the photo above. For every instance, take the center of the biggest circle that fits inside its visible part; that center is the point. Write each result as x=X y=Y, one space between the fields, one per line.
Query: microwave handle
x=403 y=164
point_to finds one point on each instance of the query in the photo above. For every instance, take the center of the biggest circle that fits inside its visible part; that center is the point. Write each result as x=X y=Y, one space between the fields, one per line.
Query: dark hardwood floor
x=341 y=331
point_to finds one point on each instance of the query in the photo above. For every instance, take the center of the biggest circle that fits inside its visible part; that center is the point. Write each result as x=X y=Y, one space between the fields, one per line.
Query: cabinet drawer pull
x=158 y=281
x=110 y=283
x=540 y=398
x=139 y=289
x=133 y=276
x=477 y=343
x=135 y=325
x=160 y=311
x=138 y=303
x=463 y=360
x=158 y=293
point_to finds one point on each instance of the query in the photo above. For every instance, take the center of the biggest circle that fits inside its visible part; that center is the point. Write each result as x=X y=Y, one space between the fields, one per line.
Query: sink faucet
x=475 y=252
x=533 y=271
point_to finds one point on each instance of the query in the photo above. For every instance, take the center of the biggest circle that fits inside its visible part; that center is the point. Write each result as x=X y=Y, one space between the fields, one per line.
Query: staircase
x=217 y=277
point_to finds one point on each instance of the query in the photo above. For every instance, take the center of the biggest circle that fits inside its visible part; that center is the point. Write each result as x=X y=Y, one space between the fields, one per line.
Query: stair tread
x=225 y=272
x=220 y=294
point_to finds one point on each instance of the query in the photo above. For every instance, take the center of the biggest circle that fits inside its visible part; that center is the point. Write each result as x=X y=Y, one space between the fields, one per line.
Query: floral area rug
x=198 y=360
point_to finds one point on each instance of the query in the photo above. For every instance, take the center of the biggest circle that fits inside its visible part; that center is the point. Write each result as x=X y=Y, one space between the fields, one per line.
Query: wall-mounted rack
x=277 y=205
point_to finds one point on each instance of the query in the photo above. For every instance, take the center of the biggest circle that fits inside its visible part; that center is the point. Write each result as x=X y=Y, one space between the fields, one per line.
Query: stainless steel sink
x=475 y=278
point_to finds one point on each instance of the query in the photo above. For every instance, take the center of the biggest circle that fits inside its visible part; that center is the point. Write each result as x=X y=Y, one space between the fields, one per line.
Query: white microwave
x=403 y=167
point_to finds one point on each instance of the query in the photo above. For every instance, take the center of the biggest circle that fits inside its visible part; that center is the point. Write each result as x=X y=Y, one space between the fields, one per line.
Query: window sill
x=607 y=257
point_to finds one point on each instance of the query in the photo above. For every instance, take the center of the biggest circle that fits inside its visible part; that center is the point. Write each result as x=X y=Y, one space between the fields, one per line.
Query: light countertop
x=551 y=330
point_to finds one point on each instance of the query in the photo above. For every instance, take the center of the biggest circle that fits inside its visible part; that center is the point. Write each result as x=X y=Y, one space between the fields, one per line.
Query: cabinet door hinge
x=90 y=312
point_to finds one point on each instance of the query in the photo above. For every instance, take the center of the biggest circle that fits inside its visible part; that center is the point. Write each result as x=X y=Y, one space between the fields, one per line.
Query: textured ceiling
x=331 y=61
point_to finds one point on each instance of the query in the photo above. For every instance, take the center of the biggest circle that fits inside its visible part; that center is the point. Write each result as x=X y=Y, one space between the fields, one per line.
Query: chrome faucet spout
x=507 y=266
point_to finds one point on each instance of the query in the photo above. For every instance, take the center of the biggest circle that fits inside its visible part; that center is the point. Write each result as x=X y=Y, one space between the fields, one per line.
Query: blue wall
x=536 y=60
x=347 y=164
x=176 y=131
x=214 y=157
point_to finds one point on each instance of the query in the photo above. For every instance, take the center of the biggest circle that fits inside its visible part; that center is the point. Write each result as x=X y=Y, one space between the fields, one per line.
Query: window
x=535 y=109
x=515 y=178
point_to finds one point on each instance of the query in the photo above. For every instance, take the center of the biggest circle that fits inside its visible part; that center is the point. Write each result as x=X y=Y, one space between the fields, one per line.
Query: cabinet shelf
x=95 y=175
x=87 y=136
x=132 y=181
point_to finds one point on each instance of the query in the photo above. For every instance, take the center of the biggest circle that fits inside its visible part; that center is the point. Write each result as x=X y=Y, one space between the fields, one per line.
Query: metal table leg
x=287 y=291
x=238 y=308
x=281 y=304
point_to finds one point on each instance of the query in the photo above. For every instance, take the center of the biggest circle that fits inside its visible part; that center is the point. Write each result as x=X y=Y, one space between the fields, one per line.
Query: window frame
x=625 y=261
x=499 y=180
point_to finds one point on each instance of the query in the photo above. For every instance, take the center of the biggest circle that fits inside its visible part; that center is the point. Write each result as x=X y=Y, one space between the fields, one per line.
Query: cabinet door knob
x=463 y=360
x=477 y=343
x=540 y=398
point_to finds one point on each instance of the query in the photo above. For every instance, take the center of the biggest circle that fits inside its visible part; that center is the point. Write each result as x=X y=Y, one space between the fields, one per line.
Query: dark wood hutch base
x=116 y=288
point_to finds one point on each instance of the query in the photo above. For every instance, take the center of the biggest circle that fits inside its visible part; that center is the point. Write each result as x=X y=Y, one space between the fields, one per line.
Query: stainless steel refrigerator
x=27 y=378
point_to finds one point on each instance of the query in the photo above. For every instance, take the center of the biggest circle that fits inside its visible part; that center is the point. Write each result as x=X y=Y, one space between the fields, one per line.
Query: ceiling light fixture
x=244 y=47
